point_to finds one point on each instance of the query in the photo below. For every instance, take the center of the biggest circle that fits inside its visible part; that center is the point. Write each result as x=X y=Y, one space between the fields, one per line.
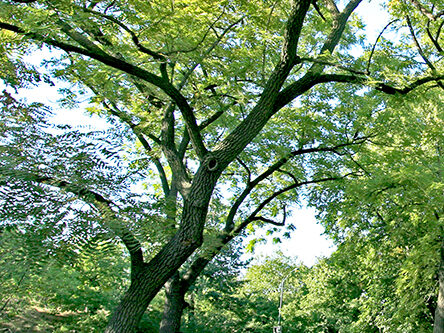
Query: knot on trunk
x=212 y=164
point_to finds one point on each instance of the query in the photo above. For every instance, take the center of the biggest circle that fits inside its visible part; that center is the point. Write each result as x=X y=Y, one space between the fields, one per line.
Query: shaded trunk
x=128 y=314
x=147 y=282
x=438 y=326
x=174 y=305
x=144 y=286
x=177 y=287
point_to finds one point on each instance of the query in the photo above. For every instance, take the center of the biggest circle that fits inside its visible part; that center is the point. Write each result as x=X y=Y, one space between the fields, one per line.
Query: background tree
x=321 y=298
x=58 y=290
x=185 y=78
x=392 y=215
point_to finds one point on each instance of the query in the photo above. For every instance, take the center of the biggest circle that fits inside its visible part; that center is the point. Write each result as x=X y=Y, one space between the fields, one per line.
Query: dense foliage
x=222 y=114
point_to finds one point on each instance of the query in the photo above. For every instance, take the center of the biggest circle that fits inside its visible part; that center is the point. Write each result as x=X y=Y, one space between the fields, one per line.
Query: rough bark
x=143 y=288
x=177 y=287
x=174 y=305
x=147 y=283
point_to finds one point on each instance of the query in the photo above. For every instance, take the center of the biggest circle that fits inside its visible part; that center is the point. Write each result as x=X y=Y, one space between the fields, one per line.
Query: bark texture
x=154 y=274
x=196 y=190
x=174 y=305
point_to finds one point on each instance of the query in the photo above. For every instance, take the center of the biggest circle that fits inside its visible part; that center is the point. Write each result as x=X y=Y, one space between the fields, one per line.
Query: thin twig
x=246 y=168
x=374 y=45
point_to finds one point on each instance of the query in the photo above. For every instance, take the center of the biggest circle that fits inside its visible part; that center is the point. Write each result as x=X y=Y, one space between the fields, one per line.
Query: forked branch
x=229 y=224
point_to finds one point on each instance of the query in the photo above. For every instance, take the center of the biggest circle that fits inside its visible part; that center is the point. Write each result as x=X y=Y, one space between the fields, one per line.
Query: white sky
x=307 y=242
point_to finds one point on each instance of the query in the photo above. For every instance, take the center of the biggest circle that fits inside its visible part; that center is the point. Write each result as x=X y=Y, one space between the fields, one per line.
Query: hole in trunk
x=212 y=164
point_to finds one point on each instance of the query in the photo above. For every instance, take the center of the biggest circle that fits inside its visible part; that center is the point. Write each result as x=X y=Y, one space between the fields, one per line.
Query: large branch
x=378 y=85
x=187 y=137
x=272 y=100
x=244 y=133
x=91 y=50
x=160 y=82
x=229 y=226
x=339 y=24
x=167 y=143
x=332 y=8
x=309 y=80
x=230 y=230
x=254 y=215
x=314 y=75
x=202 y=261
x=173 y=155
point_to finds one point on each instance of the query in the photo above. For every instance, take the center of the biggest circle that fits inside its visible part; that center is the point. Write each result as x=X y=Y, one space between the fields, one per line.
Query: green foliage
x=85 y=286
x=392 y=215
x=214 y=302
x=175 y=79
x=56 y=250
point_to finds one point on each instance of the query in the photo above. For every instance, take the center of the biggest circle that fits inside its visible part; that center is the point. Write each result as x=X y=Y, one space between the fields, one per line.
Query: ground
x=40 y=320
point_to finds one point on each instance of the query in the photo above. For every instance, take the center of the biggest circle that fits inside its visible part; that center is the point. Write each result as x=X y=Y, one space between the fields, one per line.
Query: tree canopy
x=225 y=113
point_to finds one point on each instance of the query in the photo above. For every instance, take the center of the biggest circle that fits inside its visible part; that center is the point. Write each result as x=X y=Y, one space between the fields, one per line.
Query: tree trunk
x=147 y=282
x=438 y=326
x=128 y=314
x=189 y=237
x=174 y=305
x=142 y=290
x=178 y=286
